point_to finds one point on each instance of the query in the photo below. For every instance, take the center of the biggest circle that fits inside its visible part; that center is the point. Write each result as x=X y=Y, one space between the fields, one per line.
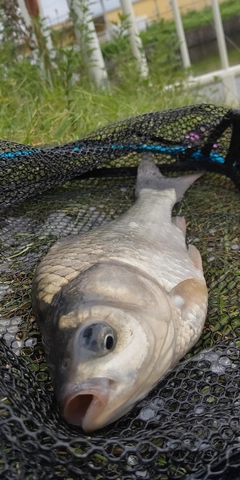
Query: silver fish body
x=120 y=305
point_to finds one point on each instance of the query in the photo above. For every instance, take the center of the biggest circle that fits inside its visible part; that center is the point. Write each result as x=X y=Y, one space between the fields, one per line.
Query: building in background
x=106 y=14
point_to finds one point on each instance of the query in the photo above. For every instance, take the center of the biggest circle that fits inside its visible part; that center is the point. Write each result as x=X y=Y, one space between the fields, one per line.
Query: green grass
x=35 y=110
x=45 y=117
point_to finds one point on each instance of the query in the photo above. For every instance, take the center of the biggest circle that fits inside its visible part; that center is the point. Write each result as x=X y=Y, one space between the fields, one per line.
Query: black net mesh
x=188 y=426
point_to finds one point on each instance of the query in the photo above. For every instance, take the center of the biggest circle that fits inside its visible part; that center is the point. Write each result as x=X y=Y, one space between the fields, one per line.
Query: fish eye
x=98 y=339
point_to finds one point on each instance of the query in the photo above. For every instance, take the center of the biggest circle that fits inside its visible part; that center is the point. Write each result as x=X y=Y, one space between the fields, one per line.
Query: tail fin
x=149 y=176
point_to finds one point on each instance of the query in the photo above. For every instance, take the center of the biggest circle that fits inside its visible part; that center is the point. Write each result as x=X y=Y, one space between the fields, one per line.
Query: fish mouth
x=83 y=403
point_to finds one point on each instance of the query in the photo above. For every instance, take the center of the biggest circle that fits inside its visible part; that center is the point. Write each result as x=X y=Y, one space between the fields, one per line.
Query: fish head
x=108 y=338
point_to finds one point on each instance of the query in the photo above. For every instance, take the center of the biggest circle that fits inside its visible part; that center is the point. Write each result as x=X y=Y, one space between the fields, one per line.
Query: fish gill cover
x=188 y=426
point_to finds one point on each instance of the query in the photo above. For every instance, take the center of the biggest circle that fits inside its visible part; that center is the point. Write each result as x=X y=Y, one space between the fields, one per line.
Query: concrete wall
x=202 y=41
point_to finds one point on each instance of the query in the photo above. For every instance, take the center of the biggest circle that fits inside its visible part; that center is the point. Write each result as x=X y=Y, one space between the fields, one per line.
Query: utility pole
x=26 y=16
x=108 y=34
x=135 y=40
x=156 y=7
x=32 y=9
x=88 y=41
x=229 y=82
x=181 y=35
x=32 y=12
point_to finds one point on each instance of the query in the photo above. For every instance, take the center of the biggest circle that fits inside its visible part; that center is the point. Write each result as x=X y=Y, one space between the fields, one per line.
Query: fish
x=120 y=305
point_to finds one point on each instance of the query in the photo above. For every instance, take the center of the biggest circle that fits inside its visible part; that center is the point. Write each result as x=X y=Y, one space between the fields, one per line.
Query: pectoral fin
x=190 y=297
x=180 y=222
x=195 y=256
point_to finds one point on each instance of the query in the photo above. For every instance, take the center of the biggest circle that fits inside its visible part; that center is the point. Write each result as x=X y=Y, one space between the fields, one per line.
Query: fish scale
x=166 y=264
